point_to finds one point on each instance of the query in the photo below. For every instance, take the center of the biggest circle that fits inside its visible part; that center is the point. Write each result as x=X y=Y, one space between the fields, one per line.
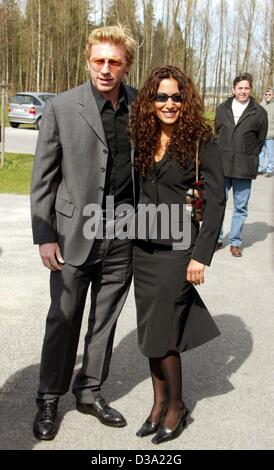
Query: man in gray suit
x=84 y=157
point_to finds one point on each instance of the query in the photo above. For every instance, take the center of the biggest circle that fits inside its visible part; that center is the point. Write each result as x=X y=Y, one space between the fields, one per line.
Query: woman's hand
x=195 y=272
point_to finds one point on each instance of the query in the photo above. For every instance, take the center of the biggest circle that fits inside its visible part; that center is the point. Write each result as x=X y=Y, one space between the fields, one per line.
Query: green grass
x=15 y=176
x=210 y=115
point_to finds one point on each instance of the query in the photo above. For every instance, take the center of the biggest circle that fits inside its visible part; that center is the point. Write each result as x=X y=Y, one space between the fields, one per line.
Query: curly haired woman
x=166 y=124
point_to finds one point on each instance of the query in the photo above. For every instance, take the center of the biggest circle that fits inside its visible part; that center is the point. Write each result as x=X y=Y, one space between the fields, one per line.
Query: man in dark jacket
x=241 y=127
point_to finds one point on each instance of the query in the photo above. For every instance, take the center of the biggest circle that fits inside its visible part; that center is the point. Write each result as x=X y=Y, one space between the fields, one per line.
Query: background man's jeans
x=268 y=163
x=241 y=193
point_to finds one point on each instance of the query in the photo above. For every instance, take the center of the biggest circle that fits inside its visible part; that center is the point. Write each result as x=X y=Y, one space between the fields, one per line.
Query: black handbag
x=196 y=195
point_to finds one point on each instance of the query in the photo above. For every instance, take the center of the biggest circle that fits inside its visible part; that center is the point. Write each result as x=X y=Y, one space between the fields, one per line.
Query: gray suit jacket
x=69 y=170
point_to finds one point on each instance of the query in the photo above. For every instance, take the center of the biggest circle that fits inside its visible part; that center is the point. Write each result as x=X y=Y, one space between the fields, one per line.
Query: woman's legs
x=166 y=374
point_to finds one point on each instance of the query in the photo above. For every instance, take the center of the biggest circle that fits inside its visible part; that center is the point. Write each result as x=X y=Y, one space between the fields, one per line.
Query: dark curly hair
x=190 y=126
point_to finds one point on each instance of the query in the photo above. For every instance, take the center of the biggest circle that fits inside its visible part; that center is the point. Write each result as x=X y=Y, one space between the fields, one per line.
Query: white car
x=27 y=108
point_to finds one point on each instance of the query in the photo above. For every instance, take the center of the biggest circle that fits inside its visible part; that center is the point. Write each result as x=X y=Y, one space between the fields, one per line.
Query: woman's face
x=168 y=101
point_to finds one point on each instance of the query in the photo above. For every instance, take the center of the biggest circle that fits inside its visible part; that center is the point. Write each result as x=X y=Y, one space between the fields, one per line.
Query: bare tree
x=39 y=34
x=42 y=42
x=248 y=11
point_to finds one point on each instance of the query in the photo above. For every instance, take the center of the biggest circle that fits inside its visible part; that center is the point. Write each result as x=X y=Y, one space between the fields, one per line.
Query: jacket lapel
x=228 y=110
x=131 y=96
x=161 y=167
x=89 y=111
x=250 y=109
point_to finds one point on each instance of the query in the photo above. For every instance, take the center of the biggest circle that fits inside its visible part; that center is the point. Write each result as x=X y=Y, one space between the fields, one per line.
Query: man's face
x=268 y=96
x=242 y=91
x=107 y=65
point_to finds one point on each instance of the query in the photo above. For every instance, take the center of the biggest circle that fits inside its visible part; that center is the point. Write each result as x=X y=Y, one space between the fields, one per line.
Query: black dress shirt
x=118 y=181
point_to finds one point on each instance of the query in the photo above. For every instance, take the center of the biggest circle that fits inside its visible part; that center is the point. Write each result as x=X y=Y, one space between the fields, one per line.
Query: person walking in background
x=241 y=127
x=83 y=155
x=266 y=157
x=166 y=124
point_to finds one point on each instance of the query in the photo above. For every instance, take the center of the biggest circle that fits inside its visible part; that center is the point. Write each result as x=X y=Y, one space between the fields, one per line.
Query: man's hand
x=51 y=256
x=195 y=272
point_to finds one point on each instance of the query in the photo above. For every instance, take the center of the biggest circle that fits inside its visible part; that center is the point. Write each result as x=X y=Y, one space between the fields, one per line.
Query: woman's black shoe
x=164 y=434
x=147 y=428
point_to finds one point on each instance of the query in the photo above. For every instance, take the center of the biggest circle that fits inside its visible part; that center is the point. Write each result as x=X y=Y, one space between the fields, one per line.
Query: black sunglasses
x=163 y=97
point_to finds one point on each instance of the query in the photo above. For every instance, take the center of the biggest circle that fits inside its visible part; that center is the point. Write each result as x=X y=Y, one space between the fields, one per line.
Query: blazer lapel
x=88 y=109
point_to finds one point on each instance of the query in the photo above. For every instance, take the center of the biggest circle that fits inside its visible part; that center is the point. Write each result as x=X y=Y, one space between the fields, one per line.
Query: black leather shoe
x=147 y=428
x=45 y=426
x=106 y=415
x=164 y=434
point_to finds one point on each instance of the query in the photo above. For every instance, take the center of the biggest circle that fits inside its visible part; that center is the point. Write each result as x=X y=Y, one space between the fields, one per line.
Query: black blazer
x=168 y=183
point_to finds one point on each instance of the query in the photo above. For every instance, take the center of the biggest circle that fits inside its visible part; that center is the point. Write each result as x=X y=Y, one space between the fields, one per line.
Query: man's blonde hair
x=117 y=34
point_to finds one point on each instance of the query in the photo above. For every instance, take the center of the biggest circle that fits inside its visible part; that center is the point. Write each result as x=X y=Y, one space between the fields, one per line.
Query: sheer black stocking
x=172 y=372
x=159 y=388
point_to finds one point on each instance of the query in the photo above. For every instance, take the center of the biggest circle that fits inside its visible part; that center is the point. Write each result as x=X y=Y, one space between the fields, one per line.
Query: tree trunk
x=38 y=48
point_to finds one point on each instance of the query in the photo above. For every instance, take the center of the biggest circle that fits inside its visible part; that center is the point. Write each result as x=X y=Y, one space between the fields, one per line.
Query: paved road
x=227 y=384
x=20 y=140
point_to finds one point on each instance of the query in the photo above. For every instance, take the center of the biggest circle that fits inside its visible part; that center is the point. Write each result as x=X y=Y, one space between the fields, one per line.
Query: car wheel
x=38 y=123
x=14 y=124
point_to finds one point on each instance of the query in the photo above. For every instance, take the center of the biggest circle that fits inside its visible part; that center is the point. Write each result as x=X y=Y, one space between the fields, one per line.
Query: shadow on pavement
x=252 y=233
x=206 y=373
x=256 y=232
x=207 y=370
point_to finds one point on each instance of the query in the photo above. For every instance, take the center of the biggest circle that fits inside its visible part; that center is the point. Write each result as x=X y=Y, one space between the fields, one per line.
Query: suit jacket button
x=153 y=181
x=105 y=151
x=103 y=169
x=101 y=188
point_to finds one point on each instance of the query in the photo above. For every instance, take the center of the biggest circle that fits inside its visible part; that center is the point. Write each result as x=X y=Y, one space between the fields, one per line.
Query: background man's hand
x=51 y=256
x=195 y=272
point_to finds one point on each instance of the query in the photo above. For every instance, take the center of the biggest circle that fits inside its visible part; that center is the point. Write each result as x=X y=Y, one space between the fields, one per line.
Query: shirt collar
x=101 y=100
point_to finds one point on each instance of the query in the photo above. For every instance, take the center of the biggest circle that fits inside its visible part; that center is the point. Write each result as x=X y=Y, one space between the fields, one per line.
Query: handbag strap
x=197 y=160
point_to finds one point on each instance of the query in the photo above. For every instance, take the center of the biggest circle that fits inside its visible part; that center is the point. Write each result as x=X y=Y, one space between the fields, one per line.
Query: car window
x=22 y=99
x=45 y=97
x=36 y=101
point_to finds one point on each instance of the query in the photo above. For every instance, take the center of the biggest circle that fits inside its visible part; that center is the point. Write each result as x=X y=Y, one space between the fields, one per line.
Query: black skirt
x=171 y=315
